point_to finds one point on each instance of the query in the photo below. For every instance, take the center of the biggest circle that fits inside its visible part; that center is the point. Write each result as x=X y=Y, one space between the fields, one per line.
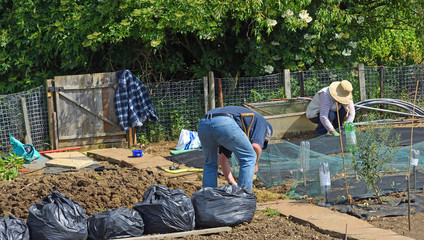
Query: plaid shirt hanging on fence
x=132 y=102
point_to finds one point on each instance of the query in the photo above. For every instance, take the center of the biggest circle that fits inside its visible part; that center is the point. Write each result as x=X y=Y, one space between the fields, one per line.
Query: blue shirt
x=259 y=126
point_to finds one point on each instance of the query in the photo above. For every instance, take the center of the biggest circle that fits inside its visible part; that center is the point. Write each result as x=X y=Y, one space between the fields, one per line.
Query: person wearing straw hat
x=323 y=108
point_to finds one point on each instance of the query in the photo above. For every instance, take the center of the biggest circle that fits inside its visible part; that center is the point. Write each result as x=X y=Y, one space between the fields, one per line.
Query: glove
x=334 y=133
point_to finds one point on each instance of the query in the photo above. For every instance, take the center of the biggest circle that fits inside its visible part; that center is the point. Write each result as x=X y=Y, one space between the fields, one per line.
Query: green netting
x=280 y=163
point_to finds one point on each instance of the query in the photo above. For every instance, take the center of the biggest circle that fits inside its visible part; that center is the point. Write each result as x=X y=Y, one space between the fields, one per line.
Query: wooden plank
x=67 y=111
x=69 y=163
x=183 y=234
x=86 y=108
x=108 y=99
x=70 y=137
x=94 y=143
x=98 y=86
x=98 y=126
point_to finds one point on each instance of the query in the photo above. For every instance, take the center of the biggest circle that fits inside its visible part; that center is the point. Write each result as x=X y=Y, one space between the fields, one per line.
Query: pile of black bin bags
x=161 y=211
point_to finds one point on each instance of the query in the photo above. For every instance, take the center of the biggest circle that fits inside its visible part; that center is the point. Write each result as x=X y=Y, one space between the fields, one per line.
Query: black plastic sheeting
x=336 y=198
x=12 y=227
x=391 y=208
x=194 y=158
x=327 y=144
x=227 y=205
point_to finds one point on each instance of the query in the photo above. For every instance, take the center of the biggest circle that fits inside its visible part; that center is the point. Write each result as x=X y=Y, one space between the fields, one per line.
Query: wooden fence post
x=205 y=93
x=287 y=86
x=220 y=97
x=211 y=90
x=28 y=138
x=362 y=92
x=301 y=84
x=381 y=82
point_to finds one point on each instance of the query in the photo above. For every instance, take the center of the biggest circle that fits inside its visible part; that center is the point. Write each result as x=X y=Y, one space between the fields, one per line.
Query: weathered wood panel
x=85 y=110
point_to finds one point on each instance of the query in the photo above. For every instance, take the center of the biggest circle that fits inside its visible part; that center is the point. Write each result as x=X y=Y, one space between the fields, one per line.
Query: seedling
x=376 y=148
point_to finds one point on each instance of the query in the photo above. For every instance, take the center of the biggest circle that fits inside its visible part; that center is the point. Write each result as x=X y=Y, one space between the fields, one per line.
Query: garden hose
x=180 y=170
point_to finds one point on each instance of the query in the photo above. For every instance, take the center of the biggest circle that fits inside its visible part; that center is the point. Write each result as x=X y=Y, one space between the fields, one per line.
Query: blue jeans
x=332 y=116
x=224 y=131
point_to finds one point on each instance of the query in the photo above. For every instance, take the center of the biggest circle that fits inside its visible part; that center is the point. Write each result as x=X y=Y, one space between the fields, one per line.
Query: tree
x=184 y=39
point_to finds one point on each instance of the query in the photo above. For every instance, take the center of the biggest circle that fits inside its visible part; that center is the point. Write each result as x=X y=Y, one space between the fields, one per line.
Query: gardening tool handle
x=242 y=116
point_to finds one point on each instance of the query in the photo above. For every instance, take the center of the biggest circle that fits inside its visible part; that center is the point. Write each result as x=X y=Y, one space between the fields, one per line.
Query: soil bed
x=109 y=189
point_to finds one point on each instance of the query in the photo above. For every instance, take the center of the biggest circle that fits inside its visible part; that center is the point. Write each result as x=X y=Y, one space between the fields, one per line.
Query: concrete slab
x=65 y=155
x=69 y=163
x=330 y=221
x=125 y=157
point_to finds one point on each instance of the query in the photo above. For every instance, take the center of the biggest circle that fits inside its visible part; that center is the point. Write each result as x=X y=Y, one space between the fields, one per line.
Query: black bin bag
x=166 y=211
x=226 y=205
x=116 y=223
x=13 y=228
x=57 y=217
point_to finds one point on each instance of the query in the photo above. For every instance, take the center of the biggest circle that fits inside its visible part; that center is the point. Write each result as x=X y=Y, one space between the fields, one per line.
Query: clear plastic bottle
x=350 y=137
x=415 y=157
x=304 y=159
x=324 y=178
x=304 y=156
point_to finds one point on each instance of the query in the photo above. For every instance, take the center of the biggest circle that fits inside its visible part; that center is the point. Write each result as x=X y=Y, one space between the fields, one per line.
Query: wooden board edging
x=182 y=234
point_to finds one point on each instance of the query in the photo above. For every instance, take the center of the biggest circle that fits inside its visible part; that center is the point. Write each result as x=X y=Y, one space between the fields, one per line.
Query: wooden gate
x=82 y=111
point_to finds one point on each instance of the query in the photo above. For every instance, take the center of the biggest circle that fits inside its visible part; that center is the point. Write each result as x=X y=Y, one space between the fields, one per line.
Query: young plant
x=377 y=147
x=9 y=166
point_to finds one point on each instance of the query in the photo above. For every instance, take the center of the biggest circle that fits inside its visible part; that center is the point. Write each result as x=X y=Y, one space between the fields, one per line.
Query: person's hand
x=334 y=133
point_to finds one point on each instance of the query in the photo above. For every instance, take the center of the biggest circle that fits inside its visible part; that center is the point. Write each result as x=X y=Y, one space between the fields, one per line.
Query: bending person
x=221 y=132
x=322 y=110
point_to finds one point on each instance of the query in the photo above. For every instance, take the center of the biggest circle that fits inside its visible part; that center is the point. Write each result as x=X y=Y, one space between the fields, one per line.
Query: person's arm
x=258 y=150
x=225 y=166
x=325 y=105
x=352 y=112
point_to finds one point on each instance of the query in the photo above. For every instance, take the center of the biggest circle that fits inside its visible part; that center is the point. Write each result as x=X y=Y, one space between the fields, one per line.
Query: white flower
x=353 y=44
x=339 y=35
x=206 y=36
x=303 y=14
x=347 y=52
x=360 y=20
x=276 y=58
x=321 y=60
x=271 y=22
x=275 y=43
x=309 y=37
x=154 y=43
x=308 y=19
x=287 y=14
x=268 y=69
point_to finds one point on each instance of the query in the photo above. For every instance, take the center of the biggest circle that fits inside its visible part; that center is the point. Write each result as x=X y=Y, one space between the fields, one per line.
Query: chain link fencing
x=180 y=105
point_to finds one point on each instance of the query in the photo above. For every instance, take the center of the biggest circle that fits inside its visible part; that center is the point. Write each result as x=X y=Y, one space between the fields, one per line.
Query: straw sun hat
x=341 y=91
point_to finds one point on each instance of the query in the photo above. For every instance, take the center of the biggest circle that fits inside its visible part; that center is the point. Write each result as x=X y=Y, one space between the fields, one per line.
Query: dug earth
x=97 y=191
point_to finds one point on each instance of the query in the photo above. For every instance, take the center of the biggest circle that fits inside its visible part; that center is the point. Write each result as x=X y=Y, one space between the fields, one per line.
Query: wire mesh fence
x=12 y=118
x=180 y=105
